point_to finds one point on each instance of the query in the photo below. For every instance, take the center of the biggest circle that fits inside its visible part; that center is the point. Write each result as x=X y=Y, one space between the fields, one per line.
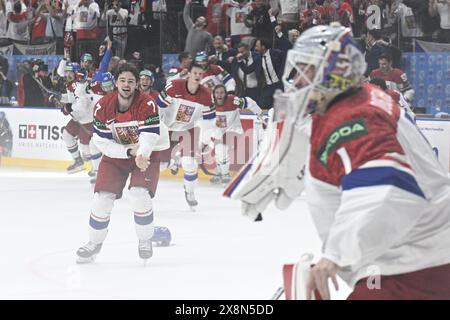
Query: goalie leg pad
x=190 y=167
x=100 y=215
x=141 y=204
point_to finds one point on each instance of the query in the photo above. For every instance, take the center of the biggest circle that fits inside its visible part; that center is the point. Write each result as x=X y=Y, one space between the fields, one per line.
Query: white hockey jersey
x=377 y=194
x=181 y=110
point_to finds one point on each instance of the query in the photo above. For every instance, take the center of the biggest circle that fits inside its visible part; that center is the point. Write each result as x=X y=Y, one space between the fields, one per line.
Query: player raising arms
x=126 y=130
x=228 y=121
x=377 y=194
x=185 y=105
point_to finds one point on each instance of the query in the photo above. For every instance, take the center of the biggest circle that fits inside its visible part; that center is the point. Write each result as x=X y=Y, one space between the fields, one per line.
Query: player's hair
x=217 y=87
x=385 y=56
x=128 y=67
x=183 y=55
x=195 y=65
x=375 y=33
x=379 y=82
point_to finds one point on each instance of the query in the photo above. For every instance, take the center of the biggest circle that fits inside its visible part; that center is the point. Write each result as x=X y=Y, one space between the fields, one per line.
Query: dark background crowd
x=248 y=38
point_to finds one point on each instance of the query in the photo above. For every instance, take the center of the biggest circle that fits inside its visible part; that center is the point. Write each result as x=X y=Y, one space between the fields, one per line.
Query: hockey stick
x=278 y=294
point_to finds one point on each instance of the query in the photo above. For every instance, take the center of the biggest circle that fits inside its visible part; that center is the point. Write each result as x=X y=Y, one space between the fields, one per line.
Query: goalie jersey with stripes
x=378 y=196
x=182 y=110
x=115 y=131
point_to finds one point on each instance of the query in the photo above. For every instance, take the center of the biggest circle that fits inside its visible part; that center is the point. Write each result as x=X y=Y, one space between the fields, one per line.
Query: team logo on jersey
x=126 y=132
x=184 y=113
x=221 y=121
x=345 y=132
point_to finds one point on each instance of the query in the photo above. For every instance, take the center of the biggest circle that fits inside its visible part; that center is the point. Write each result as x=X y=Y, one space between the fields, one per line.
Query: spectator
x=18 y=19
x=409 y=25
x=69 y=8
x=117 y=19
x=441 y=8
x=281 y=42
x=246 y=70
x=135 y=30
x=220 y=54
x=238 y=12
x=259 y=20
x=376 y=47
x=395 y=78
x=345 y=15
x=136 y=60
x=3 y=22
x=35 y=96
x=272 y=65
x=310 y=16
x=216 y=17
x=288 y=12
x=55 y=23
x=86 y=15
x=6 y=88
x=4 y=64
x=198 y=39
x=39 y=23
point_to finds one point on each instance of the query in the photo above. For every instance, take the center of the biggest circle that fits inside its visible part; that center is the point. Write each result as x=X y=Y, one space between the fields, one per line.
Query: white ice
x=216 y=253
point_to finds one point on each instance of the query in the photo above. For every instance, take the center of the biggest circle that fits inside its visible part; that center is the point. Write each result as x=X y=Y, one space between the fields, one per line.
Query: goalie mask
x=324 y=62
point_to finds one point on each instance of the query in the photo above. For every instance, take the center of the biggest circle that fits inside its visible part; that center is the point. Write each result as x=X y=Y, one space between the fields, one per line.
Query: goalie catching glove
x=276 y=172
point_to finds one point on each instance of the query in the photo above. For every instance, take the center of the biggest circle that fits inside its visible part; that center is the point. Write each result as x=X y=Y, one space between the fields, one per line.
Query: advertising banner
x=36 y=133
x=437 y=133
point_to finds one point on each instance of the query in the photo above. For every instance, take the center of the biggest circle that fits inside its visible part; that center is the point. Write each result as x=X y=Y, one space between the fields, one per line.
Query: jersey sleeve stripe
x=161 y=102
x=377 y=176
x=150 y=129
x=103 y=133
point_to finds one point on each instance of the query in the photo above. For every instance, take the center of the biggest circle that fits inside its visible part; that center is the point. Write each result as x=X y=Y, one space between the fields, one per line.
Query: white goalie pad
x=277 y=169
x=295 y=279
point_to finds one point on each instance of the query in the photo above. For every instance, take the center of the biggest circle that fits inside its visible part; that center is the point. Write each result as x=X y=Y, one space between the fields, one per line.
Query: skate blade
x=82 y=260
x=193 y=208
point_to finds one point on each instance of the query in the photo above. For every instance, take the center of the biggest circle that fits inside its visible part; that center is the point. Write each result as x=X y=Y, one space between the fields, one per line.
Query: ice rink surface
x=216 y=253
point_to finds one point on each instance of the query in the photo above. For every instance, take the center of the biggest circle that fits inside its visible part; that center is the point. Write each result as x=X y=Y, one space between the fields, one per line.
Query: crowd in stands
x=247 y=38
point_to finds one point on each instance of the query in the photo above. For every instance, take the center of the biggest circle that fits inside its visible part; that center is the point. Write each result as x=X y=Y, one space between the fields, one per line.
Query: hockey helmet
x=107 y=82
x=147 y=73
x=162 y=236
x=324 y=62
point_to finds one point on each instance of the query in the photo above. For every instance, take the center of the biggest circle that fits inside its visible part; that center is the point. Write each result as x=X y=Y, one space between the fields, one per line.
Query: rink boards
x=37 y=139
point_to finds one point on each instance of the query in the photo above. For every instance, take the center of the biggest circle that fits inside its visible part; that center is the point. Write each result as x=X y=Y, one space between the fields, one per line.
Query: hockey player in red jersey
x=377 y=194
x=126 y=130
x=228 y=123
x=186 y=106
x=146 y=80
x=214 y=74
x=395 y=78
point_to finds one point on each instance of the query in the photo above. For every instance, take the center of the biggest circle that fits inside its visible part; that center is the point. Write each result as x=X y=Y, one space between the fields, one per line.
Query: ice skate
x=190 y=199
x=92 y=173
x=76 y=166
x=217 y=179
x=174 y=164
x=88 y=252
x=145 y=249
x=93 y=179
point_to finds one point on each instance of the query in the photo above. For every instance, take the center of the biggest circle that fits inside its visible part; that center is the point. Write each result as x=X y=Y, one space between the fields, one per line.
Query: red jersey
x=352 y=132
x=183 y=109
x=125 y=127
x=396 y=79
